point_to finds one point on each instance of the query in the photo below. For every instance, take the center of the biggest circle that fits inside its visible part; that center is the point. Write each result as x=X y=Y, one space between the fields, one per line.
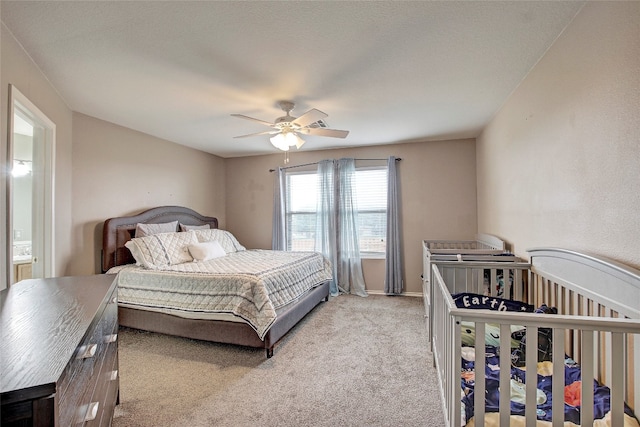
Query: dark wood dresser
x=59 y=352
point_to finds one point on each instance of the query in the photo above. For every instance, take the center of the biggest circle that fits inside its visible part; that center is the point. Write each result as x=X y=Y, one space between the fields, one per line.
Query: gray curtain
x=350 y=277
x=393 y=270
x=325 y=235
x=279 y=238
x=336 y=233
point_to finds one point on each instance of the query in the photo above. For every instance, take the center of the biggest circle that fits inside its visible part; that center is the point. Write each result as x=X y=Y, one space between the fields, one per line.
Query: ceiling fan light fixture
x=279 y=141
x=286 y=139
x=20 y=168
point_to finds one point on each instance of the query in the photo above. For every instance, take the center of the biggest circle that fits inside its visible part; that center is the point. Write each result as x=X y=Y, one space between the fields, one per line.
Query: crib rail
x=602 y=340
x=483 y=247
x=507 y=278
x=483 y=243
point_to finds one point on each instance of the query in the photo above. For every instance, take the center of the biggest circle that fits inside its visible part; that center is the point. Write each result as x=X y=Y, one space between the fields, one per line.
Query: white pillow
x=227 y=240
x=185 y=227
x=161 y=250
x=149 y=229
x=206 y=250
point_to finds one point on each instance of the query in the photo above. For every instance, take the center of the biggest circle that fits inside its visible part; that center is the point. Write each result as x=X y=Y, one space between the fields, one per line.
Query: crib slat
x=633 y=385
x=586 y=372
x=493 y=279
x=478 y=281
x=505 y=376
x=557 y=406
x=480 y=380
x=531 y=390
x=617 y=379
x=456 y=367
x=518 y=290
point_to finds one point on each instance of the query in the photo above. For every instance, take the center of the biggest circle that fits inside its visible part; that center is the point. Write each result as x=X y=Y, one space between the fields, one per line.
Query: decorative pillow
x=226 y=239
x=149 y=229
x=483 y=302
x=206 y=250
x=185 y=227
x=163 y=249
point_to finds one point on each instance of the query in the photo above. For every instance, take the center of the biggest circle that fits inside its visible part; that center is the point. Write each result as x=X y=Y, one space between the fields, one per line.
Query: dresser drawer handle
x=92 y=411
x=110 y=338
x=114 y=300
x=88 y=351
x=113 y=375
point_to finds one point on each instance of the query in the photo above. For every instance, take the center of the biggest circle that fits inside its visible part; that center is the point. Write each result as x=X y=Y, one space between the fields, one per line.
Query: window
x=371 y=197
x=371 y=200
x=302 y=190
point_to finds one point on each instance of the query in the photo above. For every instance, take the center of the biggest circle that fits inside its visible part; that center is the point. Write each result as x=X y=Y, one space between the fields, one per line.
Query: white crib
x=482 y=248
x=597 y=325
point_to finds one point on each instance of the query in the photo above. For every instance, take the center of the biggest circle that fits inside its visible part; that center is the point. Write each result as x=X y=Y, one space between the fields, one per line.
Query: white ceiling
x=387 y=71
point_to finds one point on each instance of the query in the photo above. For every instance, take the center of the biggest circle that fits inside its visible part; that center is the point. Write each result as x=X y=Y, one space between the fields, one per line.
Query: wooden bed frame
x=118 y=231
x=598 y=325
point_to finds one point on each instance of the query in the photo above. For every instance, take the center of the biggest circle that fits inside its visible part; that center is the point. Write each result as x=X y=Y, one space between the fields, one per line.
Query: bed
x=249 y=308
x=587 y=350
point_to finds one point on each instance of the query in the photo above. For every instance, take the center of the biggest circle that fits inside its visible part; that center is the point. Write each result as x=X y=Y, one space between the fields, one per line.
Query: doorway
x=30 y=232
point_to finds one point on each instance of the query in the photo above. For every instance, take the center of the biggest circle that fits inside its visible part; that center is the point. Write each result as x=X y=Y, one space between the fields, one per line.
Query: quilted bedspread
x=250 y=284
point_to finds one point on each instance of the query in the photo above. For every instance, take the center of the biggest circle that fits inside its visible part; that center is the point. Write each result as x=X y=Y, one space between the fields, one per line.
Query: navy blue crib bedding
x=544 y=398
x=572 y=375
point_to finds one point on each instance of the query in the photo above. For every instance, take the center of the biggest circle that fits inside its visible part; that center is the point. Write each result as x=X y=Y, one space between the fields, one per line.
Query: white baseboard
x=404 y=294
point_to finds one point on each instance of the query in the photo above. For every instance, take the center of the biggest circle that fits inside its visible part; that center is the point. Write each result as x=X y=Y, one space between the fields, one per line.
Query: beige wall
x=103 y=170
x=560 y=163
x=118 y=171
x=18 y=69
x=438 y=198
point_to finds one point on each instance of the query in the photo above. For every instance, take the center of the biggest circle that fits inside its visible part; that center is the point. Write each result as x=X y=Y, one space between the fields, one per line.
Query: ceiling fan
x=287 y=128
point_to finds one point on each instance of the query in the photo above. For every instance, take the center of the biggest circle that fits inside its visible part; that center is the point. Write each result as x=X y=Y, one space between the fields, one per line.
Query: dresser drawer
x=113 y=387
x=84 y=371
x=108 y=377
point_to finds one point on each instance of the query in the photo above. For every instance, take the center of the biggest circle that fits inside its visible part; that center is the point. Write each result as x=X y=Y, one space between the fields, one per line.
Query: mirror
x=31 y=150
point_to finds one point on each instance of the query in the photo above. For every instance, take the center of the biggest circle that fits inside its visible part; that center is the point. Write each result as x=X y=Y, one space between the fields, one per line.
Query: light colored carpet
x=351 y=362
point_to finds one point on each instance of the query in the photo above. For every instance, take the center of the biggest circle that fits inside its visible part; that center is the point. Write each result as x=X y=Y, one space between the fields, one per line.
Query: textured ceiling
x=386 y=71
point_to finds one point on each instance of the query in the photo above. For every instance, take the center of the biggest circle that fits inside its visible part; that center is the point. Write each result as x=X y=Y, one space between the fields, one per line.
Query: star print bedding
x=544 y=398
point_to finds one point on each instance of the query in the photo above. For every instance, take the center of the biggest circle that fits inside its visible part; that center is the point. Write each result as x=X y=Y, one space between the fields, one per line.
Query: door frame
x=45 y=212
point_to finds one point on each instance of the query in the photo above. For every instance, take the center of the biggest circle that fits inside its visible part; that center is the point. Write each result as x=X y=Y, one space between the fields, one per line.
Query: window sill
x=373 y=256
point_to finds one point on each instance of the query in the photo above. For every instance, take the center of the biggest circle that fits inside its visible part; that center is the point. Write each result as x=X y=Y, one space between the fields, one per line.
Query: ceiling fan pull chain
x=286 y=157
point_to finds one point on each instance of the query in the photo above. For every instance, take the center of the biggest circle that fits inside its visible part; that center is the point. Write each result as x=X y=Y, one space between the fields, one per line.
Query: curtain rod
x=315 y=163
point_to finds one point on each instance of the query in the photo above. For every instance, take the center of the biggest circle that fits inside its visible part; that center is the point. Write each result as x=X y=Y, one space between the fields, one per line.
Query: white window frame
x=375 y=254
x=289 y=213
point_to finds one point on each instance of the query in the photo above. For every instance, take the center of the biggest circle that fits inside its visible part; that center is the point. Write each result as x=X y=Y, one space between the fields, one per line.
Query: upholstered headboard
x=118 y=231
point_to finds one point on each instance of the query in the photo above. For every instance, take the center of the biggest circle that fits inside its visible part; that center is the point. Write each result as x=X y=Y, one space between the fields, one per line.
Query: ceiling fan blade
x=333 y=133
x=266 y=132
x=309 y=117
x=299 y=141
x=242 y=116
